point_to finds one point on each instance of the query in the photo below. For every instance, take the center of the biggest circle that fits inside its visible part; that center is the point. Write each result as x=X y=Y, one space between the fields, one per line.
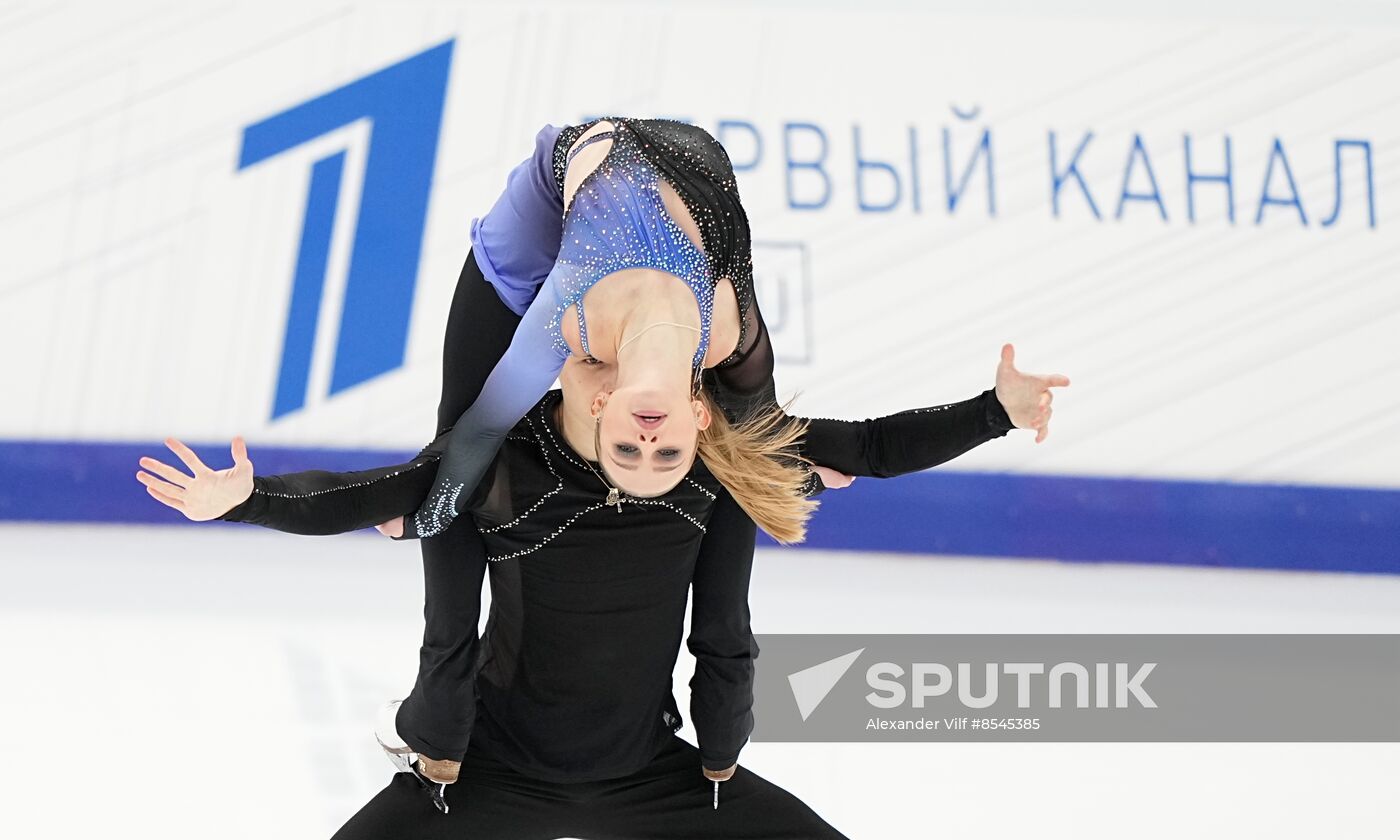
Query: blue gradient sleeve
x=522 y=376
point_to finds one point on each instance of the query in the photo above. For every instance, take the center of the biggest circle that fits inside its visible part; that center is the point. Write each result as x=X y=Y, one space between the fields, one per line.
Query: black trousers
x=436 y=717
x=666 y=800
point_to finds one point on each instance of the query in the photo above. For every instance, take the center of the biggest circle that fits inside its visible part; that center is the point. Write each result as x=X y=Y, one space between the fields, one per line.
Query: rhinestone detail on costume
x=617 y=221
x=344 y=486
x=549 y=464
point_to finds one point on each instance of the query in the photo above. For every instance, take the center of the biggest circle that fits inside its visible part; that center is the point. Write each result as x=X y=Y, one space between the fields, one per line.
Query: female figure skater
x=655 y=242
x=1011 y=382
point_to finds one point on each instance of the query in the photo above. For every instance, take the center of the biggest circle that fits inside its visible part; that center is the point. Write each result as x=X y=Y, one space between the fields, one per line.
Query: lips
x=649 y=420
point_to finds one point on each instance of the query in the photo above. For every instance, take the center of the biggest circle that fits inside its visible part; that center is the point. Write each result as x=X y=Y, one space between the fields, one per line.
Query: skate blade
x=407 y=762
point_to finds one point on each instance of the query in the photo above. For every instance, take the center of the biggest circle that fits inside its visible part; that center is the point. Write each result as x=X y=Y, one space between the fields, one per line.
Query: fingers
x=1008 y=354
x=392 y=529
x=832 y=479
x=184 y=453
x=173 y=491
x=166 y=472
x=168 y=501
x=1043 y=426
x=1056 y=380
x=240 y=452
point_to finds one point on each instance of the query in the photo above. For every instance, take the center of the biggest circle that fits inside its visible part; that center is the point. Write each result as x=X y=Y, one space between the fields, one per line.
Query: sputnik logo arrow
x=811 y=685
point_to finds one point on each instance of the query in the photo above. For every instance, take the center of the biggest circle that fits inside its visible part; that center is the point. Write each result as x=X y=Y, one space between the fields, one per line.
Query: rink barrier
x=1076 y=518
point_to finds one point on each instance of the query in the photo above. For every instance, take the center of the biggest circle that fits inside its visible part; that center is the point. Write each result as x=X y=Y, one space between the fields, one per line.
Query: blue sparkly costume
x=616 y=221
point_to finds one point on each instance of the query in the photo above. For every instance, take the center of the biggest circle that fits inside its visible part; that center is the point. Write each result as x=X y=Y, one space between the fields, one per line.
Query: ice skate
x=432 y=775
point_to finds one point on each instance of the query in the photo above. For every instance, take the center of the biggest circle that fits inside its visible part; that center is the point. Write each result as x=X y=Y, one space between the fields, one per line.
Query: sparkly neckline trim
x=742 y=284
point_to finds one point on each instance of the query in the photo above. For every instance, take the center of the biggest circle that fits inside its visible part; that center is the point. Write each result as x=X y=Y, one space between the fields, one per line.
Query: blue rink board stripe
x=943 y=511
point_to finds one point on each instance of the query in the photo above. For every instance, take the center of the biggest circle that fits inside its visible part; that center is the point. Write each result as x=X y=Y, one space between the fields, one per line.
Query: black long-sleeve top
x=588 y=602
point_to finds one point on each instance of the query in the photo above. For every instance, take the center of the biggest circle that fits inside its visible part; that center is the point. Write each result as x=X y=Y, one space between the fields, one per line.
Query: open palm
x=1026 y=396
x=207 y=494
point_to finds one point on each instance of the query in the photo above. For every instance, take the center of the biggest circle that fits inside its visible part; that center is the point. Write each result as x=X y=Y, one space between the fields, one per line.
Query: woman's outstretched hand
x=392 y=529
x=208 y=494
x=1026 y=396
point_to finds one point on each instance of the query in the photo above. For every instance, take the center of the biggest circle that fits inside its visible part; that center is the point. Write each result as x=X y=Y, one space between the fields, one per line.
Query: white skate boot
x=432 y=775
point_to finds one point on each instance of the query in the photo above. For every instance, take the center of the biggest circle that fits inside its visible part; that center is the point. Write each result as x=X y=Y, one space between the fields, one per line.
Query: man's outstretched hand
x=206 y=494
x=1026 y=396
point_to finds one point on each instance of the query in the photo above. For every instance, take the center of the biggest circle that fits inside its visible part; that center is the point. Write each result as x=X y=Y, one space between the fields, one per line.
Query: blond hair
x=757 y=462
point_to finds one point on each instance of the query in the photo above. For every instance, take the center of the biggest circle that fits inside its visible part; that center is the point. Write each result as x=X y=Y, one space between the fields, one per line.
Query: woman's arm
x=743 y=384
x=518 y=381
x=479 y=329
x=452 y=466
x=514 y=245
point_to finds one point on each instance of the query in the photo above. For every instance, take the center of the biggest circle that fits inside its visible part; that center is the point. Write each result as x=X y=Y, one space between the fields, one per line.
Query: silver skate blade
x=403 y=762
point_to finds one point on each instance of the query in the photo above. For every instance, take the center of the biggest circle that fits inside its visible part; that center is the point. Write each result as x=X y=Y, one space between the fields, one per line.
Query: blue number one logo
x=404 y=105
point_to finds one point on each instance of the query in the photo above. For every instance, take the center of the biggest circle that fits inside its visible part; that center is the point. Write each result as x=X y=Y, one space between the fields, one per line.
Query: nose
x=646 y=439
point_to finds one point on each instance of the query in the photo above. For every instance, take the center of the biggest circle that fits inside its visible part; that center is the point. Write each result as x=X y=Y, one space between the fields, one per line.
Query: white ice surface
x=222 y=682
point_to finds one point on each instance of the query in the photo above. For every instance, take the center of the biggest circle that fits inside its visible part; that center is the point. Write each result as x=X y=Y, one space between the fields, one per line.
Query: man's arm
x=319 y=502
x=908 y=441
x=721 y=691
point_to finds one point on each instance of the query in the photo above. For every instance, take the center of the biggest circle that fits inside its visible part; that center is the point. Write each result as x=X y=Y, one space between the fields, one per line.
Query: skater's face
x=581 y=380
x=584 y=378
x=647 y=438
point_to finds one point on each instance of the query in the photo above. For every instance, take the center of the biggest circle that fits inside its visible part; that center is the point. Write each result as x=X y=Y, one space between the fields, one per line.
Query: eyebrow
x=632 y=467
